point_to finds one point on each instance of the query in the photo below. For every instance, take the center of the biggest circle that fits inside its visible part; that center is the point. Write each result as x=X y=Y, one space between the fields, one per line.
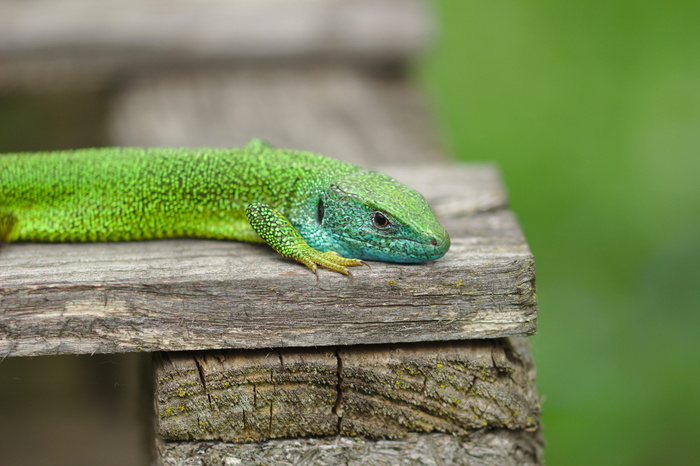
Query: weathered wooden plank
x=371 y=391
x=81 y=43
x=487 y=447
x=450 y=387
x=190 y=294
x=365 y=116
x=246 y=395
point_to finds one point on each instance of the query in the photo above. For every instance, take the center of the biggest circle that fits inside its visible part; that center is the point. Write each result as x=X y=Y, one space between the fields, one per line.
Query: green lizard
x=314 y=209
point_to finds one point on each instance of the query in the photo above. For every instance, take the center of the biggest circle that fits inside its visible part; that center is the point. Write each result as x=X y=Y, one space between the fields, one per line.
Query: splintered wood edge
x=192 y=294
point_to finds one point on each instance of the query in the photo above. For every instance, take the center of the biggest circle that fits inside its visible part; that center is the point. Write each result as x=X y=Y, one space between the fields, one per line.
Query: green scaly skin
x=311 y=208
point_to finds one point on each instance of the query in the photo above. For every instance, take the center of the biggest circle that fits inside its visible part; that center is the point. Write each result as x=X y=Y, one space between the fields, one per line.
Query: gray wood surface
x=486 y=447
x=80 y=43
x=373 y=391
x=192 y=294
x=353 y=113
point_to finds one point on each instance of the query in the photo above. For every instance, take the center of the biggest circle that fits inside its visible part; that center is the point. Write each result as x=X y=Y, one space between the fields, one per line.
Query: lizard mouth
x=437 y=244
x=434 y=248
x=400 y=250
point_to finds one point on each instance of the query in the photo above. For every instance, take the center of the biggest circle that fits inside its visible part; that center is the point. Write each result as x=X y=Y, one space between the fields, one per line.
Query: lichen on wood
x=377 y=391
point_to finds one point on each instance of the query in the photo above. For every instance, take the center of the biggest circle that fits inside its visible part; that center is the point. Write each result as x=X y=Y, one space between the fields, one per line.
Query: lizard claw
x=334 y=261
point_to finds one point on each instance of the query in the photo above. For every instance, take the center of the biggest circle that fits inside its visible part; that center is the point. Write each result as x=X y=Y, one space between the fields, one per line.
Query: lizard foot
x=279 y=233
x=330 y=260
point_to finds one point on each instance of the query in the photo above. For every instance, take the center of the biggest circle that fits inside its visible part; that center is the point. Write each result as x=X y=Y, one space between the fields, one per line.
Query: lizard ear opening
x=320 y=211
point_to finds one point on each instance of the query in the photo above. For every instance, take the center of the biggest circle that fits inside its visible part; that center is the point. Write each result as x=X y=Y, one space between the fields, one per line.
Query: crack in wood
x=272 y=403
x=202 y=378
x=338 y=406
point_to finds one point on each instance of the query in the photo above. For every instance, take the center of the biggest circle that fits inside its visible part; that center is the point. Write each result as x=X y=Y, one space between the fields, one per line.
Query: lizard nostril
x=433 y=241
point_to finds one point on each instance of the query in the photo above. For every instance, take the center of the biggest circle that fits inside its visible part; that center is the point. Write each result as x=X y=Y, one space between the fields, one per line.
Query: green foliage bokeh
x=592 y=111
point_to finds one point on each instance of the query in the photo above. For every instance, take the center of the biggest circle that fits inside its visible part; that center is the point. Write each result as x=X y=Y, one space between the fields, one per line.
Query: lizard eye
x=320 y=211
x=379 y=220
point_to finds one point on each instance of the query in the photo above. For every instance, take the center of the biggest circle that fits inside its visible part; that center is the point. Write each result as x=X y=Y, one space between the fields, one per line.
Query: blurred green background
x=592 y=111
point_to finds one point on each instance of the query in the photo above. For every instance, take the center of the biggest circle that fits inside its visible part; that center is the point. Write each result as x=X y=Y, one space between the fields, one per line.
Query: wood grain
x=371 y=391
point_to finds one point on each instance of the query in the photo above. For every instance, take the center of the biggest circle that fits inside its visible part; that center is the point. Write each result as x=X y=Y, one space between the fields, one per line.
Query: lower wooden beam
x=481 y=447
x=360 y=392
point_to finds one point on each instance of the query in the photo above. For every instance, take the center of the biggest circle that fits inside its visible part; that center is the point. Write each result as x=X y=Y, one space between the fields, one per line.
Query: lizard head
x=369 y=215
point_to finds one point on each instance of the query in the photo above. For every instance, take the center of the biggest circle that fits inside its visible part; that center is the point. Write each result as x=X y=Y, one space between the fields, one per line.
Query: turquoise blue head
x=371 y=216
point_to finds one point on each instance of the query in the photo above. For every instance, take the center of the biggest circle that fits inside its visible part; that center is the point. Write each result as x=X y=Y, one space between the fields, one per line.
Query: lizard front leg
x=281 y=235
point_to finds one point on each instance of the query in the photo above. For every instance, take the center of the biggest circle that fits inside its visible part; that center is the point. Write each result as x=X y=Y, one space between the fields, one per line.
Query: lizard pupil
x=380 y=221
x=320 y=211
